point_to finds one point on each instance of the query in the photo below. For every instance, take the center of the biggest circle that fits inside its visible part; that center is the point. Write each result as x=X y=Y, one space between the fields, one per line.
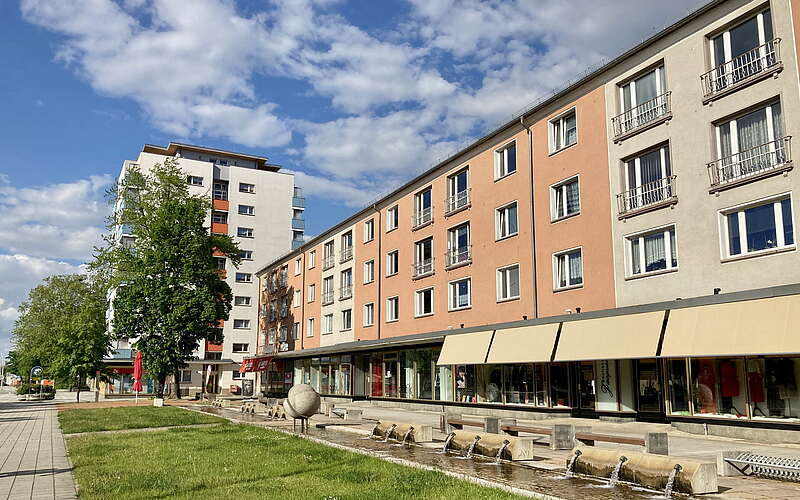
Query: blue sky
x=354 y=97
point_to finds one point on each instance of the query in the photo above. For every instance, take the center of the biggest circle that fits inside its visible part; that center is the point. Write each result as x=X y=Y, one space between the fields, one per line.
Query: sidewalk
x=33 y=455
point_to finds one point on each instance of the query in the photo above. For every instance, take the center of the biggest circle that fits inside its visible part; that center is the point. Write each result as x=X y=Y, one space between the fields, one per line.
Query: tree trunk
x=161 y=383
x=78 y=394
x=177 y=382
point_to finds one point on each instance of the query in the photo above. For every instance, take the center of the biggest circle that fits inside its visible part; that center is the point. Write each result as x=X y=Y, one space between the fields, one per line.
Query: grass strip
x=129 y=417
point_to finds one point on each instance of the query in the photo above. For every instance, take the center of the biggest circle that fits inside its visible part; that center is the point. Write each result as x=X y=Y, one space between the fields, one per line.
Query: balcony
x=220 y=204
x=647 y=197
x=213 y=346
x=328 y=261
x=219 y=228
x=327 y=298
x=457 y=202
x=121 y=354
x=422 y=268
x=345 y=292
x=755 y=163
x=297 y=243
x=758 y=63
x=648 y=114
x=298 y=202
x=346 y=254
x=422 y=218
x=282 y=281
x=458 y=257
x=298 y=224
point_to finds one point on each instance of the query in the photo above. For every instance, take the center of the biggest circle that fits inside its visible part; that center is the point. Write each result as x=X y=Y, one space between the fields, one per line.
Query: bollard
x=563 y=437
x=451 y=416
x=724 y=468
x=656 y=443
x=352 y=414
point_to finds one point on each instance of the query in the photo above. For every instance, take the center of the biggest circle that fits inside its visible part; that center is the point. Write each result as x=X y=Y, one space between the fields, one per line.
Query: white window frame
x=244 y=324
x=246 y=210
x=310 y=327
x=726 y=37
x=246 y=277
x=246 y=254
x=499 y=283
x=327 y=324
x=562 y=186
x=369 y=230
x=369 y=271
x=312 y=292
x=312 y=259
x=369 y=314
x=452 y=294
x=191 y=178
x=498 y=224
x=246 y=187
x=296 y=330
x=660 y=90
x=392 y=218
x=297 y=300
x=248 y=232
x=559 y=122
x=418 y=294
x=245 y=303
x=564 y=253
x=239 y=351
x=390 y=264
x=664 y=153
x=779 y=227
x=283 y=333
x=347 y=314
x=734 y=127
x=501 y=160
x=392 y=309
x=298 y=266
x=640 y=235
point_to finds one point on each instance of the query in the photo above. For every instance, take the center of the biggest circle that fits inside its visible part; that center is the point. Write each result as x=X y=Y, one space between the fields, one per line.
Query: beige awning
x=525 y=344
x=762 y=326
x=465 y=348
x=630 y=336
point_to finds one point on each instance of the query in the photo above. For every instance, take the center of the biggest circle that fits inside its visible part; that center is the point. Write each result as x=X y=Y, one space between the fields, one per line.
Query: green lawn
x=130 y=417
x=242 y=461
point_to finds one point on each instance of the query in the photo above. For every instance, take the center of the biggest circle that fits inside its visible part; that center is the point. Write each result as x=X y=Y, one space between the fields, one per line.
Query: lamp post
x=36 y=370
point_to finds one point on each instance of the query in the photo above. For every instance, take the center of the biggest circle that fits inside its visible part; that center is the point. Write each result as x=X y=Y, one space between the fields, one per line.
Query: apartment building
x=613 y=251
x=262 y=210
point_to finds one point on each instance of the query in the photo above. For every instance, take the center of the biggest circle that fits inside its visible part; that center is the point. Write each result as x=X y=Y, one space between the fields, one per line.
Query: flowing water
x=671 y=481
x=499 y=455
x=471 y=449
x=389 y=433
x=405 y=436
x=614 y=479
x=447 y=441
x=571 y=463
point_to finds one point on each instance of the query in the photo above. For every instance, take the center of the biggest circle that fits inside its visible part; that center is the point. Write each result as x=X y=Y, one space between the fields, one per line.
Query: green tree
x=168 y=293
x=62 y=328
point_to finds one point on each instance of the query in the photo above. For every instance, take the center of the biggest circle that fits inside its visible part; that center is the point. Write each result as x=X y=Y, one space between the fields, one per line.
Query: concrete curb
x=140 y=429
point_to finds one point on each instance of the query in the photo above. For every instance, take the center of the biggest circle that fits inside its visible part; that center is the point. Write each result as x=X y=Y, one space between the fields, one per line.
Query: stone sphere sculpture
x=302 y=401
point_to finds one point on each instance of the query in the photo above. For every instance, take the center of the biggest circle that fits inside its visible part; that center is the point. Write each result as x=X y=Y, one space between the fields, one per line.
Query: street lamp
x=36 y=370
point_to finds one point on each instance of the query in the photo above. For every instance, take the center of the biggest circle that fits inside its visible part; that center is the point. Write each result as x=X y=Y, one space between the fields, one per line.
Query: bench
x=590 y=438
x=566 y=436
x=750 y=464
x=458 y=423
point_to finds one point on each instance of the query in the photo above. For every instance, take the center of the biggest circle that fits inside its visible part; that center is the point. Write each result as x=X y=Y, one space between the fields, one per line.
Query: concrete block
x=583 y=429
x=326 y=408
x=508 y=421
x=725 y=469
x=352 y=414
x=451 y=416
x=563 y=437
x=656 y=443
x=492 y=425
x=158 y=402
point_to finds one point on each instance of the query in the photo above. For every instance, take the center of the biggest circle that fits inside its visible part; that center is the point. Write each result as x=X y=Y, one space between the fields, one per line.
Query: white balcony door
x=645 y=177
x=729 y=49
x=748 y=143
x=645 y=88
x=458 y=243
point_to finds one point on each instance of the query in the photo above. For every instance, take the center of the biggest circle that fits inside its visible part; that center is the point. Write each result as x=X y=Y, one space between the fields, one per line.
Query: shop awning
x=629 y=336
x=763 y=326
x=465 y=348
x=525 y=344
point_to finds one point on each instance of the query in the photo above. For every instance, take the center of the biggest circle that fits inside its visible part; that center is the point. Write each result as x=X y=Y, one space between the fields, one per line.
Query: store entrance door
x=586 y=389
x=649 y=393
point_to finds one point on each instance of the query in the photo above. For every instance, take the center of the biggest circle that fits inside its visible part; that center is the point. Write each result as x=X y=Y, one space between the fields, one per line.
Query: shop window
x=649 y=386
x=518 y=384
x=325 y=376
x=443 y=385
x=772 y=383
x=559 y=385
x=376 y=375
x=390 y=375
x=718 y=387
x=424 y=374
x=586 y=385
x=541 y=382
x=490 y=383
x=407 y=388
x=465 y=384
x=316 y=375
x=678 y=387
x=606 y=393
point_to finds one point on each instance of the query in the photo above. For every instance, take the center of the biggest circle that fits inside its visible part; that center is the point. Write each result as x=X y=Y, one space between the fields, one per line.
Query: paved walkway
x=33 y=454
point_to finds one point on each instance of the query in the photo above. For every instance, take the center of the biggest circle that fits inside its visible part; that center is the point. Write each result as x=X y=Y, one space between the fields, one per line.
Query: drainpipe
x=533 y=219
x=378 y=269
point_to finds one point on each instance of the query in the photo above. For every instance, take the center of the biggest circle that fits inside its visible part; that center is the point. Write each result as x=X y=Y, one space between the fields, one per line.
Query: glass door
x=649 y=392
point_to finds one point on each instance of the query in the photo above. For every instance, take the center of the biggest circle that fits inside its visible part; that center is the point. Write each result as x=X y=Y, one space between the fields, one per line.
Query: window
x=296 y=331
x=347 y=246
x=327 y=324
x=346 y=284
x=347 y=319
x=327 y=255
x=186 y=376
x=508 y=283
x=568 y=268
x=460 y=294
x=247 y=210
x=565 y=199
x=458 y=191
x=244 y=278
x=219 y=217
x=312 y=259
x=505 y=160
x=423 y=302
x=310 y=328
x=312 y=292
x=392 y=218
x=283 y=333
x=740 y=52
x=246 y=254
x=220 y=190
x=648 y=179
x=749 y=144
x=327 y=290
x=652 y=251
x=244 y=232
x=220 y=262
x=237 y=375
x=506 y=221
x=423 y=208
x=247 y=188
x=241 y=324
x=563 y=131
x=194 y=180
x=392 y=309
x=392 y=262
x=297 y=299
x=458 y=245
x=369 y=271
x=241 y=347
x=241 y=300
x=642 y=100
x=423 y=257
x=284 y=306
x=369 y=314
x=369 y=230
x=757 y=228
x=298 y=266
x=271 y=336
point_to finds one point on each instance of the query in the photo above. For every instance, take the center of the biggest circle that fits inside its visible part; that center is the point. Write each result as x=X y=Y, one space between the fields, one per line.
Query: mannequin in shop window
x=729 y=380
x=755 y=384
x=781 y=385
x=706 y=383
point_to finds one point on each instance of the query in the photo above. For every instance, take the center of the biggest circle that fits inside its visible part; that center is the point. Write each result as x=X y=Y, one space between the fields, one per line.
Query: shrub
x=35 y=389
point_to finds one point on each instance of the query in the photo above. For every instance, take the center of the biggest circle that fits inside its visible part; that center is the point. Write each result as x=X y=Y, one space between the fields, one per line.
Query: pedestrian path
x=33 y=454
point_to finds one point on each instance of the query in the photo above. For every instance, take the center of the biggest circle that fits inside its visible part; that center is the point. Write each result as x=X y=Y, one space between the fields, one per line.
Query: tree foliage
x=168 y=295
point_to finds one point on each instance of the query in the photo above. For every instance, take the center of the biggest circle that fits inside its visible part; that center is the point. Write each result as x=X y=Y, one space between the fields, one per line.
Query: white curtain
x=573 y=198
x=673 y=248
x=752 y=130
x=559 y=202
x=575 y=269
x=636 y=266
x=654 y=252
x=562 y=270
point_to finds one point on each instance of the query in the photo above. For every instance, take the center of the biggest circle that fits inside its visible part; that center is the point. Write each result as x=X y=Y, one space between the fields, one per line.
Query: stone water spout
x=408 y=433
x=389 y=433
x=614 y=479
x=671 y=480
x=571 y=463
x=499 y=455
x=374 y=429
x=447 y=441
x=472 y=447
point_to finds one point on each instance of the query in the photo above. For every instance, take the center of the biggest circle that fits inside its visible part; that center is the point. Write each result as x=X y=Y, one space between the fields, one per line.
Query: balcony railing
x=327 y=298
x=346 y=254
x=742 y=69
x=282 y=281
x=121 y=354
x=753 y=162
x=457 y=201
x=647 y=195
x=297 y=243
x=298 y=224
x=458 y=256
x=422 y=268
x=345 y=292
x=422 y=217
x=328 y=262
x=298 y=202
x=648 y=112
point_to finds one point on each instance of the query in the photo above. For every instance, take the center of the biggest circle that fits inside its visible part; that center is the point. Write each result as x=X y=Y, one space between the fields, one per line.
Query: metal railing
x=282 y=281
x=345 y=292
x=646 y=112
x=328 y=261
x=647 y=194
x=299 y=201
x=121 y=354
x=422 y=268
x=327 y=298
x=457 y=201
x=346 y=254
x=751 y=162
x=299 y=224
x=422 y=217
x=460 y=255
x=741 y=68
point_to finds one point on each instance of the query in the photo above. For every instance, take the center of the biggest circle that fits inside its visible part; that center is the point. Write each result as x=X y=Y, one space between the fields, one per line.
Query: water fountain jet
x=408 y=433
x=447 y=441
x=472 y=447
x=571 y=463
x=614 y=479
x=499 y=455
x=671 y=480
x=389 y=433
